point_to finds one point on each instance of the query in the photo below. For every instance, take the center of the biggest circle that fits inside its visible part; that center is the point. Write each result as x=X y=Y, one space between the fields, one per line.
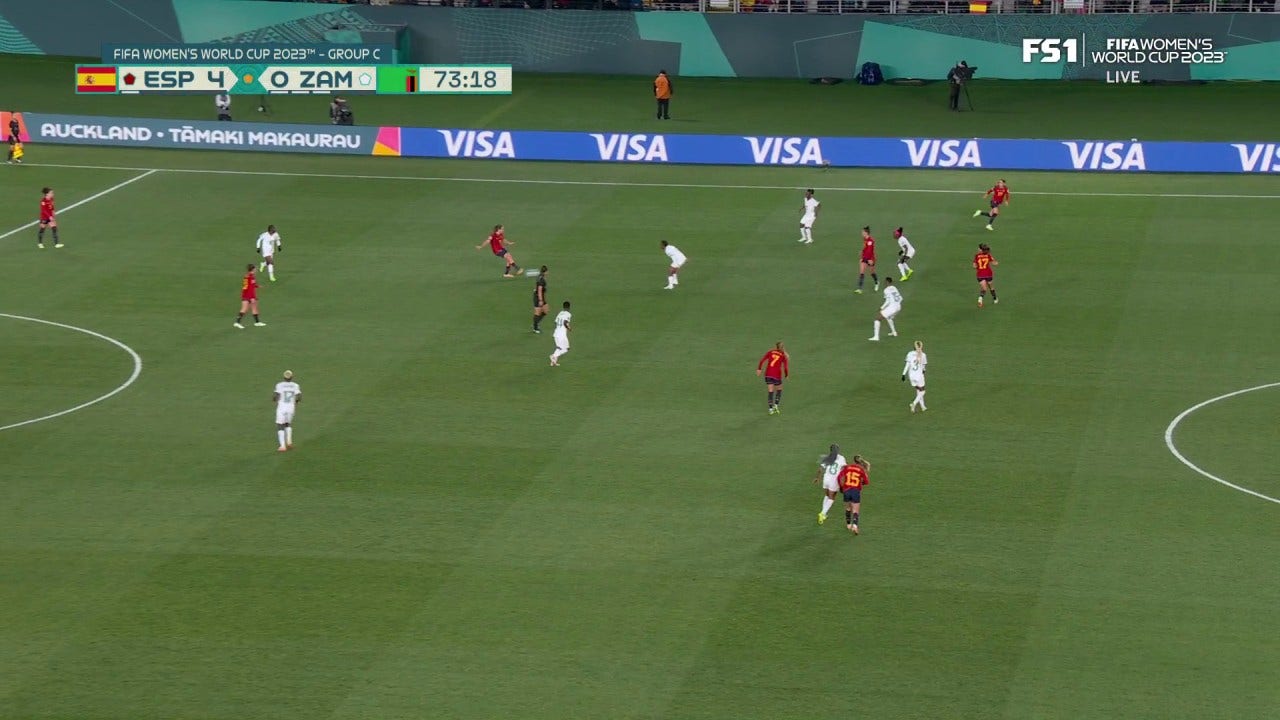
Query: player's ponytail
x=861 y=461
x=830 y=457
x=919 y=346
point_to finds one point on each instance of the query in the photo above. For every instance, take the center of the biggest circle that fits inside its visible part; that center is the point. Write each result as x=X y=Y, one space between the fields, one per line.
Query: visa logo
x=478 y=143
x=635 y=148
x=943 y=153
x=1107 y=155
x=1259 y=157
x=785 y=150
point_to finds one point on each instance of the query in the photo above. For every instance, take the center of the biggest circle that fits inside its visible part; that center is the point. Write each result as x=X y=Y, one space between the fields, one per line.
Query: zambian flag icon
x=95 y=79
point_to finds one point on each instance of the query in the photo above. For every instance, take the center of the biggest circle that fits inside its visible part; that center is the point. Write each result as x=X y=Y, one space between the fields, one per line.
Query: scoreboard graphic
x=287 y=75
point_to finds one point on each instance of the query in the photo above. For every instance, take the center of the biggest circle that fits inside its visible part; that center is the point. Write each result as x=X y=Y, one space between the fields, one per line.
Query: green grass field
x=464 y=532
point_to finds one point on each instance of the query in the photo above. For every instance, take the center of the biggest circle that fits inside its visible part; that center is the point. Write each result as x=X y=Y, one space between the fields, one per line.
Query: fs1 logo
x=1050 y=50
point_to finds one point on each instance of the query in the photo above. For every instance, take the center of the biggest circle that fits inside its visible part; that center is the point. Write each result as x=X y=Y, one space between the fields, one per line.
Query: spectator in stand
x=662 y=91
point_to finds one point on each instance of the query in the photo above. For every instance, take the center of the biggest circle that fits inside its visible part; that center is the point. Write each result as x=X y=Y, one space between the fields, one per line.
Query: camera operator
x=956 y=78
x=340 y=112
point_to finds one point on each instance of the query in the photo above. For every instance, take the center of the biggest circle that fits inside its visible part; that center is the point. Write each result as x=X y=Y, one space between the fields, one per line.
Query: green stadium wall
x=638 y=43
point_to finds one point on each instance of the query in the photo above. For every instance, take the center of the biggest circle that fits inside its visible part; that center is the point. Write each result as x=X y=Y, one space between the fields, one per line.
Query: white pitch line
x=1168 y=441
x=91 y=198
x=684 y=186
x=137 y=370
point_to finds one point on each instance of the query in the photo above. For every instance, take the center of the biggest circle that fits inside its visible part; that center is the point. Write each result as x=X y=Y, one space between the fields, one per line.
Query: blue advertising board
x=1128 y=156
x=955 y=153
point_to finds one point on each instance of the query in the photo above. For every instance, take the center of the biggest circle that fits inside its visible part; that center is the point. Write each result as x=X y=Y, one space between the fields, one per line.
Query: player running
x=774 y=366
x=999 y=196
x=917 y=361
x=868 y=260
x=906 y=251
x=891 y=306
x=540 y=300
x=829 y=476
x=678 y=259
x=497 y=242
x=853 y=478
x=287 y=397
x=249 y=299
x=268 y=244
x=561 y=334
x=984 y=264
x=808 y=215
x=48 y=219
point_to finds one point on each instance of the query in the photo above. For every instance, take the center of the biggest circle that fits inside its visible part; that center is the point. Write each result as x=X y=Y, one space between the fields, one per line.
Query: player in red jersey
x=497 y=242
x=854 y=477
x=774 y=367
x=867 y=261
x=48 y=219
x=984 y=265
x=249 y=298
x=999 y=196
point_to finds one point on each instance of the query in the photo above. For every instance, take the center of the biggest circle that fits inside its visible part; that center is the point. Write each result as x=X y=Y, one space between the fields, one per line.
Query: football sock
x=675 y=279
x=992 y=219
x=777 y=397
x=256 y=318
x=40 y=235
x=848 y=517
x=892 y=330
x=902 y=269
x=920 y=398
x=876 y=334
x=239 y=317
x=861 y=278
x=993 y=293
x=826 y=504
x=55 y=235
x=855 y=518
x=280 y=435
x=982 y=294
x=986 y=214
x=537 y=320
x=288 y=435
x=770 y=399
x=875 y=278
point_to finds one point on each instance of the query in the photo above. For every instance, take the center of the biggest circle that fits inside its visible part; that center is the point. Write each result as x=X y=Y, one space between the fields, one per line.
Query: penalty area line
x=137 y=370
x=1173 y=426
x=679 y=186
x=78 y=203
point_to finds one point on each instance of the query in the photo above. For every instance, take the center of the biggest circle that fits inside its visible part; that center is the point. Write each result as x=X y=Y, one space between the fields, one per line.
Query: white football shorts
x=890 y=311
x=284 y=416
x=562 y=341
x=916 y=379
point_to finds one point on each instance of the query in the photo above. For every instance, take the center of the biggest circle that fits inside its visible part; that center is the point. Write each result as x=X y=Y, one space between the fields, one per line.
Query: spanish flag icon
x=95 y=79
x=978 y=6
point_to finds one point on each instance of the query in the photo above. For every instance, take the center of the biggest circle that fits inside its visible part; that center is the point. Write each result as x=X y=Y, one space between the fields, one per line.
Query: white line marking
x=77 y=204
x=1168 y=441
x=137 y=370
x=610 y=183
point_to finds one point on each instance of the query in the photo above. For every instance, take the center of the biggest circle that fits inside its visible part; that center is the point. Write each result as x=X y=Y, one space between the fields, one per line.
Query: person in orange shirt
x=662 y=91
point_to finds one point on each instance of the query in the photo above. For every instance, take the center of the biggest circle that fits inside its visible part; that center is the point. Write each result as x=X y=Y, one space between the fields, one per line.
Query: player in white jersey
x=890 y=307
x=829 y=476
x=561 y=334
x=917 y=362
x=678 y=260
x=268 y=244
x=906 y=251
x=287 y=396
x=808 y=214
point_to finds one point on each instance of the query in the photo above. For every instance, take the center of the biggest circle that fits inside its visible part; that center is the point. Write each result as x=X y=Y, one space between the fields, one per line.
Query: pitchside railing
x=966 y=7
x=881 y=7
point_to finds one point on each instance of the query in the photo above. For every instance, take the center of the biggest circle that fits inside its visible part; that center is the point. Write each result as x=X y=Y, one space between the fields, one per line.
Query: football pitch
x=465 y=532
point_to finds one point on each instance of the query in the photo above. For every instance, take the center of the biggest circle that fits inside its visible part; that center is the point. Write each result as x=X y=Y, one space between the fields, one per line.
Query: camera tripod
x=964 y=87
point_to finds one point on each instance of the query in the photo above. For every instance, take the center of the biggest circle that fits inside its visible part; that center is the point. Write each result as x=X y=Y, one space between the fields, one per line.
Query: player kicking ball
x=497 y=242
x=891 y=306
x=917 y=361
x=999 y=195
x=287 y=397
x=268 y=244
x=561 y=334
